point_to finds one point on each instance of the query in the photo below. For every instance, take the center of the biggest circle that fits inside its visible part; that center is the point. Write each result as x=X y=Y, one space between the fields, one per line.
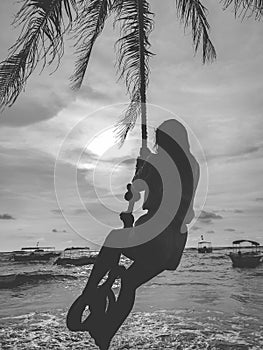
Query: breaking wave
x=14 y=280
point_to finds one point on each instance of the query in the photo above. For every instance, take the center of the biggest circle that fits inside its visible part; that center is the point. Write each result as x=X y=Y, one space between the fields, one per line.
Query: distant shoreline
x=228 y=247
x=189 y=248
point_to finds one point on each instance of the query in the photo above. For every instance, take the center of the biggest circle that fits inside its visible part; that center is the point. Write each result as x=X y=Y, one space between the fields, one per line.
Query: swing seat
x=101 y=303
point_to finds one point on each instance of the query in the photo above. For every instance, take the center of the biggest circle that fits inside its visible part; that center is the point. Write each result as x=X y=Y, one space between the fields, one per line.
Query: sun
x=102 y=142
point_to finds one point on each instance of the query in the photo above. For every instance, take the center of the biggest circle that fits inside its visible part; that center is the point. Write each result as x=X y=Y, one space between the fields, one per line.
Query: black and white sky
x=221 y=105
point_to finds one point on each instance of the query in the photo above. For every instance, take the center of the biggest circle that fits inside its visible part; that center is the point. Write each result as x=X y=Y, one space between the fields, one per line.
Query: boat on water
x=245 y=256
x=204 y=246
x=77 y=256
x=35 y=253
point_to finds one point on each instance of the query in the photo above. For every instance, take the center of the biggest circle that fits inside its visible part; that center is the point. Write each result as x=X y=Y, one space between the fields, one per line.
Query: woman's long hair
x=176 y=131
x=172 y=138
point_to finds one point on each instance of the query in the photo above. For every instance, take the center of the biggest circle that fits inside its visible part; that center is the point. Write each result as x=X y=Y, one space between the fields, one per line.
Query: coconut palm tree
x=45 y=22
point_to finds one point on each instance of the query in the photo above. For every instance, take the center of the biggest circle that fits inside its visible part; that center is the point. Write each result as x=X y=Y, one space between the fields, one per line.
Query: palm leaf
x=193 y=13
x=246 y=7
x=43 y=26
x=89 y=26
x=136 y=24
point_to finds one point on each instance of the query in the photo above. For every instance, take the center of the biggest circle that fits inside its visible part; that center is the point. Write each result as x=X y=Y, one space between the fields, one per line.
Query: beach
x=205 y=304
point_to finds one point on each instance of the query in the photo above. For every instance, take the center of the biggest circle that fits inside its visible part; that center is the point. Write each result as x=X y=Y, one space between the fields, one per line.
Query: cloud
x=221 y=103
x=229 y=229
x=207 y=217
x=6 y=217
x=70 y=212
x=55 y=230
x=79 y=212
x=26 y=174
x=211 y=231
x=238 y=211
x=32 y=109
x=57 y=211
x=245 y=151
x=129 y=161
x=86 y=159
x=87 y=92
x=195 y=228
x=238 y=153
x=259 y=199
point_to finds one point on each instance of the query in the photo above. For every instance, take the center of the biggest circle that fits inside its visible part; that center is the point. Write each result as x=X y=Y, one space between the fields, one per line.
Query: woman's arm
x=139 y=181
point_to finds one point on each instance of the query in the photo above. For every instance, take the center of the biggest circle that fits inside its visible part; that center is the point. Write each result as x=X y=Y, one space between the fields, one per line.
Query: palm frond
x=127 y=122
x=193 y=13
x=89 y=26
x=43 y=25
x=136 y=24
x=246 y=8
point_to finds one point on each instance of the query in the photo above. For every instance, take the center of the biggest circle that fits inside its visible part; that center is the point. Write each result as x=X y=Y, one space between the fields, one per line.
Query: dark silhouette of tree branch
x=136 y=24
x=44 y=22
x=87 y=28
x=245 y=8
x=43 y=26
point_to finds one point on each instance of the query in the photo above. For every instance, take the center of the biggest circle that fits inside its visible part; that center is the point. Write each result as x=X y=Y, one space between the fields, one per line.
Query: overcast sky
x=221 y=105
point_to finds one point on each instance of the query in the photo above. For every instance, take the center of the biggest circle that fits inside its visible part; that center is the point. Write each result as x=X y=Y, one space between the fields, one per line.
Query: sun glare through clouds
x=102 y=142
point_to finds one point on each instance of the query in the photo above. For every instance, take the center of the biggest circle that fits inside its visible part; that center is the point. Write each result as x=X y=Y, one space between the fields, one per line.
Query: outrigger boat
x=77 y=256
x=35 y=253
x=245 y=256
x=204 y=246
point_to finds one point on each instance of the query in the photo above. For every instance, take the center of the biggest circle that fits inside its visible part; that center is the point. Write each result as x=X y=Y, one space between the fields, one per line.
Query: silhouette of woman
x=169 y=179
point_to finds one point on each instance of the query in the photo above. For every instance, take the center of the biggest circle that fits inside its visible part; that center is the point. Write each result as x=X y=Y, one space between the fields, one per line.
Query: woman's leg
x=134 y=277
x=167 y=247
x=109 y=256
x=107 y=259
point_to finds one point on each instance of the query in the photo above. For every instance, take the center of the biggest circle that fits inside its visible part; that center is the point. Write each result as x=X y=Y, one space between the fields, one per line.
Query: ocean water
x=205 y=304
